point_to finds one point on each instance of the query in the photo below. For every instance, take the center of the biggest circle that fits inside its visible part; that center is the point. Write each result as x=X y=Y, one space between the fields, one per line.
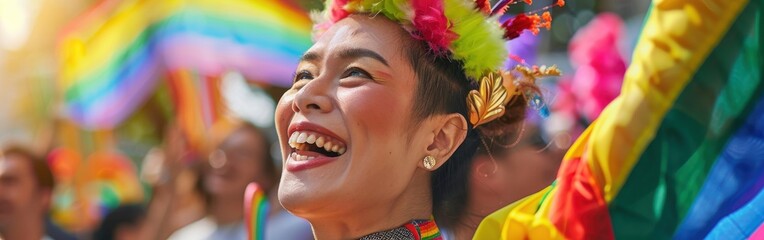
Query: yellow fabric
x=677 y=37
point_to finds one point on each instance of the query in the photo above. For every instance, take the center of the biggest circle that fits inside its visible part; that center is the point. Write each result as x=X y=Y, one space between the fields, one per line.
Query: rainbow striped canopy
x=680 y=152
x=113 y=56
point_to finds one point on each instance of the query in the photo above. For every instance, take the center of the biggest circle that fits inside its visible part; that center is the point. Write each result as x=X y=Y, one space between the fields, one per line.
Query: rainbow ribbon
x=256 y=211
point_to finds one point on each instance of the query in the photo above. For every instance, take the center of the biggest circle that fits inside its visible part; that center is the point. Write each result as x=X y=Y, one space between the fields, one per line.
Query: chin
x=310 y=193
x=299 y=199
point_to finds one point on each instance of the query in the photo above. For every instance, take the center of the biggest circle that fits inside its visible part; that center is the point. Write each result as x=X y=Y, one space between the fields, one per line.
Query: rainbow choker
x=416 y=229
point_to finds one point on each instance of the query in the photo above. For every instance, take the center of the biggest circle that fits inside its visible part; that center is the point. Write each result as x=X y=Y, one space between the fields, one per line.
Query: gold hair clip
x=497 y=89
x=488 y=103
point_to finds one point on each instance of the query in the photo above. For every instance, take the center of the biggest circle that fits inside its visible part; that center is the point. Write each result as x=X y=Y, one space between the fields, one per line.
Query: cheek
x=379 y=113
x=284 y=114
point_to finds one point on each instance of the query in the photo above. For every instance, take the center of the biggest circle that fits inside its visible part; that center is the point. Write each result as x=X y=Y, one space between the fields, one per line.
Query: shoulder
x=196 y=230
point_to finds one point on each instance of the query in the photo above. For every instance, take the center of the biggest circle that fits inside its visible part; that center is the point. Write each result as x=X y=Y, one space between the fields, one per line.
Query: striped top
x=416 y=230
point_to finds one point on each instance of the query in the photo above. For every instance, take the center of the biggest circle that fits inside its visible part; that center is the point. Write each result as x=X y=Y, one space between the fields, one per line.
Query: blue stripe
x=738 y=171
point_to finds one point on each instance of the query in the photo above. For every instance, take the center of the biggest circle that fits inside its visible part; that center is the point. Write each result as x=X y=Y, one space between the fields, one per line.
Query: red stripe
x=90 y=15
x=579 y=210
x=413 y=230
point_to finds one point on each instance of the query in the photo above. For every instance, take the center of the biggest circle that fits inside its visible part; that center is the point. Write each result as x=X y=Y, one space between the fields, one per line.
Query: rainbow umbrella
x=113 y=56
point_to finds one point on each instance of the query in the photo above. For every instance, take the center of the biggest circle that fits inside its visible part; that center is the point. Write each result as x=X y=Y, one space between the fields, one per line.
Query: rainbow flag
x=679 y=153
x=113 y=56
x=255 y=211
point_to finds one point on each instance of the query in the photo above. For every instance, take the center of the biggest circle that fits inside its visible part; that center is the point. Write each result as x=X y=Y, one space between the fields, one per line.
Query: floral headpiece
x=470 y=31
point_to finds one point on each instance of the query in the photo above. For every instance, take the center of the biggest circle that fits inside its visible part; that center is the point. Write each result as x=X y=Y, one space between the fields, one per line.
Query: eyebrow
x=361 y=53
x=350 y=53
x=310 y=57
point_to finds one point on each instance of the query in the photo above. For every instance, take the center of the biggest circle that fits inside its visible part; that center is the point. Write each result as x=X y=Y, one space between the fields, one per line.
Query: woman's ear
x=448 y=134
x=483 y=177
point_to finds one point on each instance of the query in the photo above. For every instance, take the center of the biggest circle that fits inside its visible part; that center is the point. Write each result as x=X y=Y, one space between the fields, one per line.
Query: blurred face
x=237 y=162
x=344 y=125
x=523 y=170
x=20 y=195
x=526 y=171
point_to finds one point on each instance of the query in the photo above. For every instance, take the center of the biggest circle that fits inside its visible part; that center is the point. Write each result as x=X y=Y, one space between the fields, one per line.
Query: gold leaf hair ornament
x=489 y=100
x=495 y=90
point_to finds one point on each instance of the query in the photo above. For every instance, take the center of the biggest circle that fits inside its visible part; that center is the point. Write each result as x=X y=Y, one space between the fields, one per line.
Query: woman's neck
x=466 y=227
x=478 y=206
x=414 y=203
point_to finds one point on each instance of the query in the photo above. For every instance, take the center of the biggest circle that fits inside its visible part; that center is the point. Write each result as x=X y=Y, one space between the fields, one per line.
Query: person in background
x=122 y=223
x=26 y=186
x=510 y=170
x=243 y=156
x=173 y=172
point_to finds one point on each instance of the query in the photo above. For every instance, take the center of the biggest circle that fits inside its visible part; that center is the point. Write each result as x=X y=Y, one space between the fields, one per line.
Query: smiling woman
x=377 y=128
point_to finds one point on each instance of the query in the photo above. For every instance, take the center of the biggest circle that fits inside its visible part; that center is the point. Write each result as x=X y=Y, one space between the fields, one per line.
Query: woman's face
x=237 y=162
x=344 y=126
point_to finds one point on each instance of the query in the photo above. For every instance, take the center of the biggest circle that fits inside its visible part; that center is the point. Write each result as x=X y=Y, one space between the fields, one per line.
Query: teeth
x=300 y=141
x=298 y=157
x=302 y=138
x=320 y=142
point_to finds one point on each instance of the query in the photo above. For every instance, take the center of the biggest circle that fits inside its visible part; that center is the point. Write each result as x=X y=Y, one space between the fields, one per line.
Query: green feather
x=480 y=44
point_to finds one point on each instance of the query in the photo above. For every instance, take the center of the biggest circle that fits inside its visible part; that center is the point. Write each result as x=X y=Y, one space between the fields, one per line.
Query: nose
x=313 y=97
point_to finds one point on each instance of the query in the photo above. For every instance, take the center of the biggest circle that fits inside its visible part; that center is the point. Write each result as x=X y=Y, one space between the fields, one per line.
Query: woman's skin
x=355 y=87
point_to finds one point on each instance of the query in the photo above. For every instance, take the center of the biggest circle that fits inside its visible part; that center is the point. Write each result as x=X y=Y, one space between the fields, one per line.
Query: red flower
x=515 y=26
x=483 y=6
x=338 y=10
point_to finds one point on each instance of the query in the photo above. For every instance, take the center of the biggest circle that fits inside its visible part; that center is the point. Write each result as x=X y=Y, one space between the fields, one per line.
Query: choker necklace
x=416 y=229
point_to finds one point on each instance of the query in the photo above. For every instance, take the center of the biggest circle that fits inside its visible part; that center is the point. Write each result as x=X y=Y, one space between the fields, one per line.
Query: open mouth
x=307 y=145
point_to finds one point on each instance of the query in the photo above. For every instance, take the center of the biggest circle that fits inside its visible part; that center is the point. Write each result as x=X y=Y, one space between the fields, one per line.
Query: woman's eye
x=302 y=75
x=356 y=72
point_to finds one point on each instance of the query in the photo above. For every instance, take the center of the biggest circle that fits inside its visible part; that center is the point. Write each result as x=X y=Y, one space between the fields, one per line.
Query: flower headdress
x=471 y=32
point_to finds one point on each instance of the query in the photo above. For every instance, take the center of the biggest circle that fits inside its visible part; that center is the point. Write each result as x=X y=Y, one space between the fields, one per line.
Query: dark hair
x=442 y=89
x=122 y=216
x=40 y=169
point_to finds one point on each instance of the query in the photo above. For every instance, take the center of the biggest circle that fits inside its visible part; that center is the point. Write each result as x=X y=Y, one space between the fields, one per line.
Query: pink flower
x=600 y=67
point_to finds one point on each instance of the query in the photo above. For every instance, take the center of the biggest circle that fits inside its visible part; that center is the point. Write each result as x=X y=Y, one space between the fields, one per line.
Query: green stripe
x=670 y=172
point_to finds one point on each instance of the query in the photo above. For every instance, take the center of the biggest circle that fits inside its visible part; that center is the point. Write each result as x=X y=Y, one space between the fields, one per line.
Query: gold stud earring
x=429 y=162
